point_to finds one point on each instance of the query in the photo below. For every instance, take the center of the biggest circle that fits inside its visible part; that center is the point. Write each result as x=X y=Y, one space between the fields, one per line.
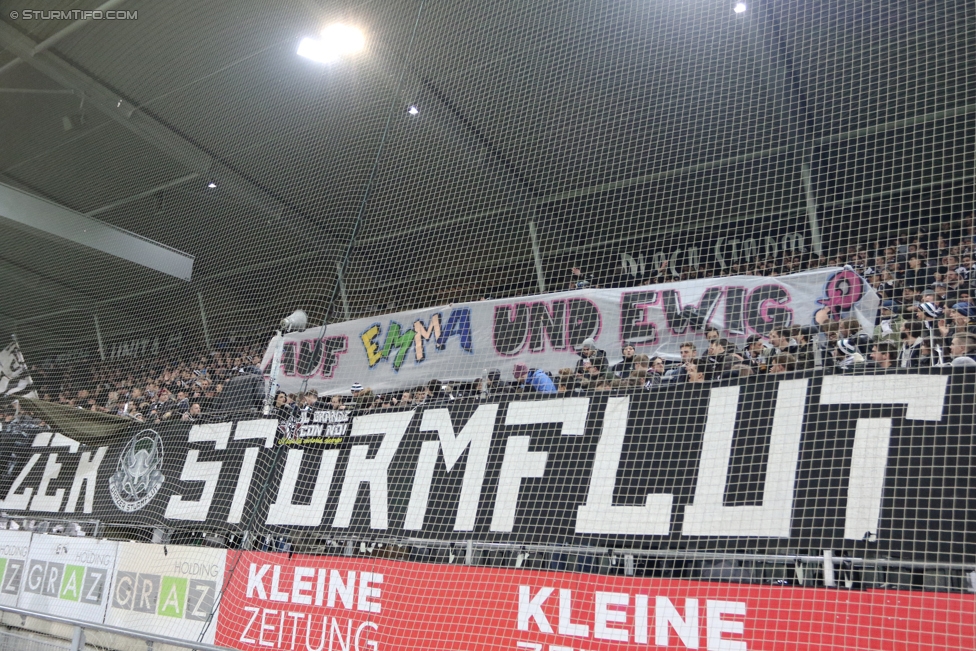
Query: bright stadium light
x=413 y=110
x=740 y=7
x=337 y=40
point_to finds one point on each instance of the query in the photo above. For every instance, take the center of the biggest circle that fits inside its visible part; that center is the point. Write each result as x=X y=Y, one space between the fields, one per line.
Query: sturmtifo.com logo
x=138 y=477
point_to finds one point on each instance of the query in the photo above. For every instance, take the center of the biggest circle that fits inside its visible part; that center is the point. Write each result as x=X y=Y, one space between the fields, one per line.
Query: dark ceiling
x=597 y=122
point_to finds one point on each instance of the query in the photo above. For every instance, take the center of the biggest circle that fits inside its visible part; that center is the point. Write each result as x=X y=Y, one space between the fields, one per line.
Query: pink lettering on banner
x=311 y=357
x=561 y=324
x=288 y=357
x=768 y=307
x=841 y=292
x=636 y=326
x=307 y=603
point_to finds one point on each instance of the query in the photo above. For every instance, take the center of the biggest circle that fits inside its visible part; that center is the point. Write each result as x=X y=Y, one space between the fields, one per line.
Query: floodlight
x=314 y=50
x=740 y=7
x=294 y=321
x=212 y=185
x=337 y=40
x=343 y=39
x=413 y=110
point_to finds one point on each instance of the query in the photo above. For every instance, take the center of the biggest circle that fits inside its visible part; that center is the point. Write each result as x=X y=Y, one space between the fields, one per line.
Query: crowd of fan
x=927 y=319
x=832 y=347
x=150 y=390
x=924 y=258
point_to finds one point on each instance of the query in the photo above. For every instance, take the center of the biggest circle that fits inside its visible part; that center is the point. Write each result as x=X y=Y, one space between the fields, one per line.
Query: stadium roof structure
x=195 y=125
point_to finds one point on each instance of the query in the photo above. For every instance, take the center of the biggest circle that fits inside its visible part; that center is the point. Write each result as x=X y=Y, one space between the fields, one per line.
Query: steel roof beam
x=25 y=209
x=131 y=118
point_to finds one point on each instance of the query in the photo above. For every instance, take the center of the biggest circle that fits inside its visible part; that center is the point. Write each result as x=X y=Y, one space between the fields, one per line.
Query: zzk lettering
x=402 y=340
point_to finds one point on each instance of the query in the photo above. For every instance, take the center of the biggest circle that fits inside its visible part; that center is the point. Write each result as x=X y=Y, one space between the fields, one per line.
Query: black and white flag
x=14 y=378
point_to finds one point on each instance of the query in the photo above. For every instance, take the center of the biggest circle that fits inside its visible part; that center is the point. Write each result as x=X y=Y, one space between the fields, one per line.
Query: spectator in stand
x=421 y=395
x=780 y=339
x=850 y=354
x=593 y=355
x=355 y=390
x=885 y=355
x=963 y=347
x=307 y=405
x=742 y=370
x=711 y=334
x=889 y=325
x=581 y=280
x=364 y=398
x=756 y=352
x=916 y=275
x=958 y=321
x=909 y=300
x=911 y=348
x=623 y=368
x=439 y=391
x=930 y=315
x=592 y=376
x=493 y=383
x=194 y=414
x=718 y=361
x=689 y=352
x=182 y=403
x=887 y=286
x=692 y=372
x=953 y=285
x=566 y=382
x=282 y=410
x=533 y=379
x=644 y=375
x=965 y=269
x=782 y=363
x=658 y=368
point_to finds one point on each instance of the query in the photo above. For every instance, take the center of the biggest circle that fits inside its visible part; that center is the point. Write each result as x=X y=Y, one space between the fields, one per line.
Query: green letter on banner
x=71 y=582
x=172 y=596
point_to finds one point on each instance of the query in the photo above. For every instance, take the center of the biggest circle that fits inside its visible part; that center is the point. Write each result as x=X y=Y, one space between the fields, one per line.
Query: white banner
x=14 y=378
x=68 y=577
x=14 y=548
x=167 y=590
x=459 y=342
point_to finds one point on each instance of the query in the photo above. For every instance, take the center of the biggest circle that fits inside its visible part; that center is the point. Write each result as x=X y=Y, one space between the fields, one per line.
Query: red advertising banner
x=312 y=603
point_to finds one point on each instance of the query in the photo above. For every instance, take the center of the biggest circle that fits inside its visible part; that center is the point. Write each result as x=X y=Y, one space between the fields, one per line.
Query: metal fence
x=84 y=635
x=15 y=642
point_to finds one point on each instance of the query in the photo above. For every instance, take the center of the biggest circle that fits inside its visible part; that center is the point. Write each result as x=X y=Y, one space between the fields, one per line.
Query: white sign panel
x=68 y=577
x=14 y=546
x=461 y=341
x=167 y=590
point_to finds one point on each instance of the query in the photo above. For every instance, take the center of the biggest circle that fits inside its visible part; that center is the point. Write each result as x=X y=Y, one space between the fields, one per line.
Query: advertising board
x=166 y=589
